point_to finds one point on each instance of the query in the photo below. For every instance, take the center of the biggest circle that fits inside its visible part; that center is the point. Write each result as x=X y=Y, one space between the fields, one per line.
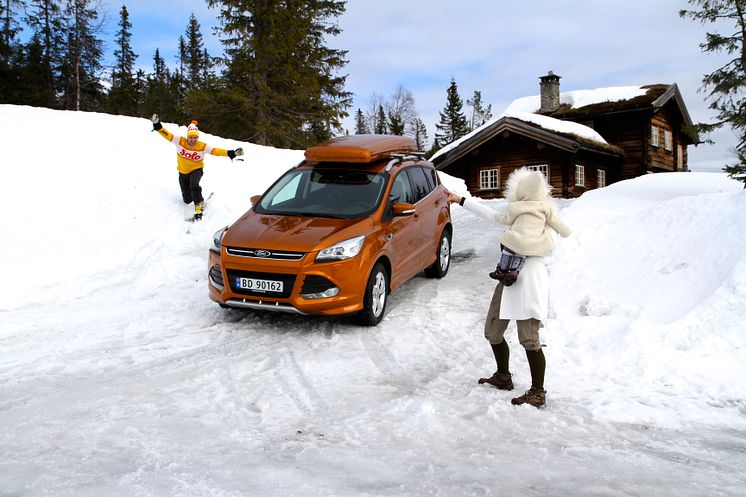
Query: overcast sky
x=499 y=47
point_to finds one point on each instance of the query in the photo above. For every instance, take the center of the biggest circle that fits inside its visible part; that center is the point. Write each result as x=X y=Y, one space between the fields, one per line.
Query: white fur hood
x=524 y=184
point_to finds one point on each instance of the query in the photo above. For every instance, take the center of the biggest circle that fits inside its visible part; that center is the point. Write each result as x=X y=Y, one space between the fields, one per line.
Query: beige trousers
x=494 y=327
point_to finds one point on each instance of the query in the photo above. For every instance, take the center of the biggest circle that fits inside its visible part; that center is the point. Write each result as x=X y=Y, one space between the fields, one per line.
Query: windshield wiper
x=304 y=214
x=319 y=214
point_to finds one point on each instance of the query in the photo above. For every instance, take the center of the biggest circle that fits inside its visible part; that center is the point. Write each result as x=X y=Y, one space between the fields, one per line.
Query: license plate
x=259 y=285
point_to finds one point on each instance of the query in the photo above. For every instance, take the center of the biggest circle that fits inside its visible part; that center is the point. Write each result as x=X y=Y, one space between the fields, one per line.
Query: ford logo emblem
x=262 y=253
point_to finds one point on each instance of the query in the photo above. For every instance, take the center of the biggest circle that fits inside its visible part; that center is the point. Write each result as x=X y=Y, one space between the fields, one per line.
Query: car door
x=402 y=233
x=426 y=217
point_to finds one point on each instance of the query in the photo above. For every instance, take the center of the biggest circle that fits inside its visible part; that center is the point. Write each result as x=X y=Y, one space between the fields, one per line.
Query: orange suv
x=336 y=234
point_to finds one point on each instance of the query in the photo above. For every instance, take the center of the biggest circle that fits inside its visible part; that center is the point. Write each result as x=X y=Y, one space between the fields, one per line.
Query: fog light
x=321 y=295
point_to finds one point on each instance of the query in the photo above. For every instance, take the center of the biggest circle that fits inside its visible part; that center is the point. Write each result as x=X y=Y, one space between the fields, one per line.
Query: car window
x=286 y=189
x=321 y=192
x=432 y=177
x=401 y=190
x=420 y=186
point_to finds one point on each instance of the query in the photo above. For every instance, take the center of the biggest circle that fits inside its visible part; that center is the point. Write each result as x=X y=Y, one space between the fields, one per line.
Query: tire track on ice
x=299 y=388
x=385 y=361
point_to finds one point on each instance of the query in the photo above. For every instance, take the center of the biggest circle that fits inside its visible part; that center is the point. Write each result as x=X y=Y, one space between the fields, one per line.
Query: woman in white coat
x=531 y=215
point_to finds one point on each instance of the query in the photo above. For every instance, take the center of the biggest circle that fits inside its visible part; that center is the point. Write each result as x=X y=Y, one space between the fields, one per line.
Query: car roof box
x=360 y=148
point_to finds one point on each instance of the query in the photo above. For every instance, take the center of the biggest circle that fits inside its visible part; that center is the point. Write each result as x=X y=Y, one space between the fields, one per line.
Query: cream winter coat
x=530 y=214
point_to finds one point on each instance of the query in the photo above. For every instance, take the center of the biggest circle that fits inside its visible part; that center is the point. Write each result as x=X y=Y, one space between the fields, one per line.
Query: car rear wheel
x=442 y=257
x=376 y=294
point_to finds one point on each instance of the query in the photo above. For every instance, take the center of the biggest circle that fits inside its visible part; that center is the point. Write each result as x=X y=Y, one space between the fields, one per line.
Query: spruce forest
x=275 y=83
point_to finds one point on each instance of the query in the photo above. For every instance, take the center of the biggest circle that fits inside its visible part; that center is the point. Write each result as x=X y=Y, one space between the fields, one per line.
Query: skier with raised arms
x=190 y=156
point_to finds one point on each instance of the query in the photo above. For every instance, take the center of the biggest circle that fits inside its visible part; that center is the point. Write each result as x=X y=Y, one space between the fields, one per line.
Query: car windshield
x=322 y=192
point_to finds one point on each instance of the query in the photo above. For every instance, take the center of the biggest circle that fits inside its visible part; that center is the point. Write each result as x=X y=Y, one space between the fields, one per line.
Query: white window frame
x=654 y=136
x=667 y=140
x=542 y=168
x=601 y=178
x=579 y=175
x=489 y=179
x=680 y=157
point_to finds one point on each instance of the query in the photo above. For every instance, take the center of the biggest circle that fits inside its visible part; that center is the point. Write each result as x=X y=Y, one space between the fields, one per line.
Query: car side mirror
x=403 y=209
x=254 y=199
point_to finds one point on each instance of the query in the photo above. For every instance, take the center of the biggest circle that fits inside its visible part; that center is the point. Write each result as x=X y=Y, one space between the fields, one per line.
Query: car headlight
x=342 y=250
x=217 y=240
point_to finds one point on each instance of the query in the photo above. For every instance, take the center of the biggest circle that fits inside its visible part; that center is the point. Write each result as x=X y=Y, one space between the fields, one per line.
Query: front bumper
x=300 y=277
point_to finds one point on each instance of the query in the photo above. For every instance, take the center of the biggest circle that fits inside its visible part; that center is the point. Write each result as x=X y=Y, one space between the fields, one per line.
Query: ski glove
x=234 y=153
x=156 y=122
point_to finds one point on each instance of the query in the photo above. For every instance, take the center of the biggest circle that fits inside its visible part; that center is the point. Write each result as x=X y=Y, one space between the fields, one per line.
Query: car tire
x=376 y=296
x=442 y=257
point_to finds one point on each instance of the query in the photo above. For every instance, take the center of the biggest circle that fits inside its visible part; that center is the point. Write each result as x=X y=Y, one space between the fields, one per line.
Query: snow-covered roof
x=580 y=98
x=545 y=122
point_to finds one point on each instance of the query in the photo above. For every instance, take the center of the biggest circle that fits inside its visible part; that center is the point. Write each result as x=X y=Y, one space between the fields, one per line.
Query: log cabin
x=581 y=140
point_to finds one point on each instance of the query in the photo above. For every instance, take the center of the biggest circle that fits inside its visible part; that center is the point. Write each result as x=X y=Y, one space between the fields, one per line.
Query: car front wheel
x=442 y=257
x=376 y=293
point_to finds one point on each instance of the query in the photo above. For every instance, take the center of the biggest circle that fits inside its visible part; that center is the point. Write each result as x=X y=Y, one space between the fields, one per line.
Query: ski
x=194 y=218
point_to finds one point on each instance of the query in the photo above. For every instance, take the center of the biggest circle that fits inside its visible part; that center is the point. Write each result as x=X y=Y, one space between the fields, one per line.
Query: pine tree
x=10 y=51
x=123 y=96
x=280 y=83
x=452 y=125
x=194 y=56
x=395 y=125
x=141 y=86
x=44 y=51
x=155 y=88
x=361 y=126
x=161 y=93
x=380 y=126
x=727 y=84
x=81 y=69
x=30 y=69
x=479 y=115
x=208 y=77
x=10 y=27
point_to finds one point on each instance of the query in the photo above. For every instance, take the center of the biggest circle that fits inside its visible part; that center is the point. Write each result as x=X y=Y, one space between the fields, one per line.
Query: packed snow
x=119 y=377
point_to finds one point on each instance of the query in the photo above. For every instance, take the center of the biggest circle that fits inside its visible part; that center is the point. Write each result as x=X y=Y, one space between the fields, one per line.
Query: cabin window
x=542 y=168
x=667 y=140
x=680 y=157
x=654 y=136
x=601 y=178
x=579 y=175
x=489 y=179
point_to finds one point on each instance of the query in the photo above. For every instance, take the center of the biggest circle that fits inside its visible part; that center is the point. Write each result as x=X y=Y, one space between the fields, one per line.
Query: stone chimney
x=550 y=93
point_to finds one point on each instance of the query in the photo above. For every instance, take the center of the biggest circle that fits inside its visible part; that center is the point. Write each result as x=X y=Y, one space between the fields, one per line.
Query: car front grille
x=277 y=255
x=288 y=280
